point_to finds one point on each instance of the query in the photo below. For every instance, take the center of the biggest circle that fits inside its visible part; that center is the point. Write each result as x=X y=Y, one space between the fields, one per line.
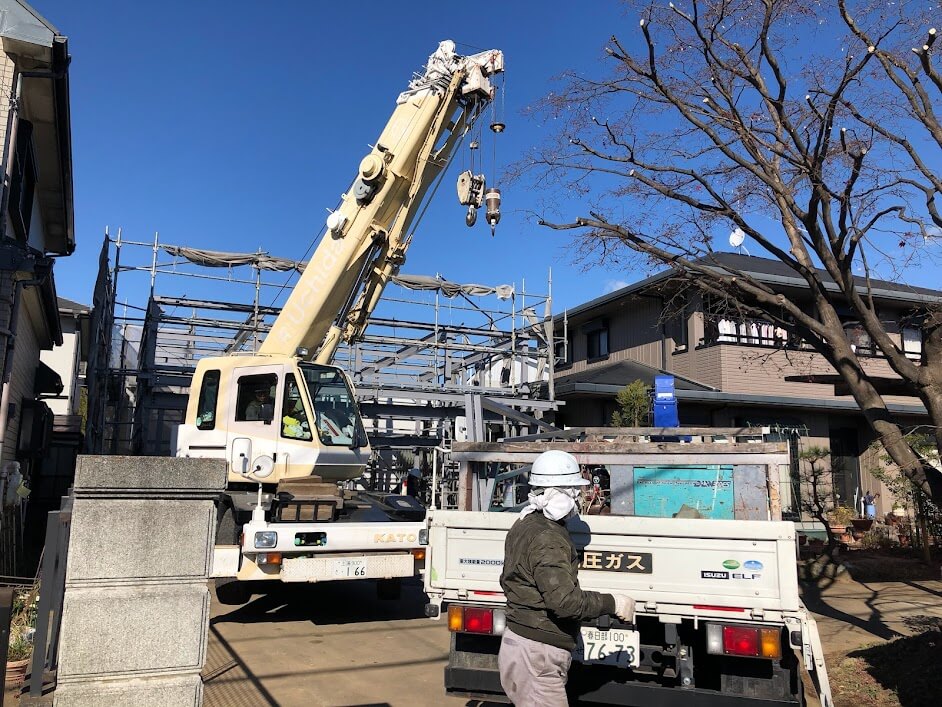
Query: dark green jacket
x=544 y=600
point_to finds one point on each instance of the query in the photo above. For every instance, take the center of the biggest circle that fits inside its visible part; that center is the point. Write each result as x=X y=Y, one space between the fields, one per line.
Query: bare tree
x=818 y=501
x=812 y=128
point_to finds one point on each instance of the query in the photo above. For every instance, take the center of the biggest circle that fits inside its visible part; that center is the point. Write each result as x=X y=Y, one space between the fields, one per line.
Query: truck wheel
x=227 y=531
x=389 y=589
x=232 y=592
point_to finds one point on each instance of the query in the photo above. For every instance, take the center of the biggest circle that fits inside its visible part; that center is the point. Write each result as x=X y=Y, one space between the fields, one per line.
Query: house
x=36 y=226
x=733 y=371
x=53 y=476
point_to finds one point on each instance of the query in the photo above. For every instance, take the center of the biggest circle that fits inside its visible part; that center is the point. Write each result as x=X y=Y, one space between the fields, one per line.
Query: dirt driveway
x=327 y=644
x=881 y=638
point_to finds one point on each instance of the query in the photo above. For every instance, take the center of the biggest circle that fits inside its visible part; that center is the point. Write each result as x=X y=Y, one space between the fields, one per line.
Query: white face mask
x=554 y=503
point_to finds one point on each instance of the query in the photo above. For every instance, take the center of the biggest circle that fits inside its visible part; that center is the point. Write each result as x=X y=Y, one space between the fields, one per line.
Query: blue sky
x=234 y=125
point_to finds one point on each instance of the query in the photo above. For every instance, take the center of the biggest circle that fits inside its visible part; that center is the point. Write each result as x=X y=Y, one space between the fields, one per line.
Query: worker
x=545 y=604
x=260 y=408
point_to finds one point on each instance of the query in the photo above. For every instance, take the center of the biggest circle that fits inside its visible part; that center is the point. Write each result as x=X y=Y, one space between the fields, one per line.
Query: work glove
x=625 y=608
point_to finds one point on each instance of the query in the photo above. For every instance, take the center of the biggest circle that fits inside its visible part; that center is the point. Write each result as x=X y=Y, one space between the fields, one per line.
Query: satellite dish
x=737 y=237
x=262 y=467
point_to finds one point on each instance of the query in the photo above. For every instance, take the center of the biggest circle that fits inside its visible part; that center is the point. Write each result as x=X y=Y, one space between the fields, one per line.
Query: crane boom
x=367 y=237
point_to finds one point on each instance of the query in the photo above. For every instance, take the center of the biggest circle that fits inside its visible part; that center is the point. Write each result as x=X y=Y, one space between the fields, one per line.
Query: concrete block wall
x=136 y=611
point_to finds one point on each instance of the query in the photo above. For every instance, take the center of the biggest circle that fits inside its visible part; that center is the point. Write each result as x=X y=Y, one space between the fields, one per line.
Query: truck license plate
x=345 y=567
x=613 y=647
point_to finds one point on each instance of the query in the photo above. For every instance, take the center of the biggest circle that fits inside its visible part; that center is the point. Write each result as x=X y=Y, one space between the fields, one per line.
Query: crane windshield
x=336 y=416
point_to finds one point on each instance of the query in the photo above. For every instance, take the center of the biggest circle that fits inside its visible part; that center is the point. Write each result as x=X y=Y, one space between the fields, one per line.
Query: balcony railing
x=789 y=343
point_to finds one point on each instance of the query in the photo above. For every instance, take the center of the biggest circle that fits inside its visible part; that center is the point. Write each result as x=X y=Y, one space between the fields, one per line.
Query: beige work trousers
x=533 y=674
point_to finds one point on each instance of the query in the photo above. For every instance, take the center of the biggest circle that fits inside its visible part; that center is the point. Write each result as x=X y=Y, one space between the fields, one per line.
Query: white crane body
x=286 y=420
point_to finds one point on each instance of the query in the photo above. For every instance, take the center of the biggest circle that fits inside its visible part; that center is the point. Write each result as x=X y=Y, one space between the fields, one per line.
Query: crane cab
x=274 y=418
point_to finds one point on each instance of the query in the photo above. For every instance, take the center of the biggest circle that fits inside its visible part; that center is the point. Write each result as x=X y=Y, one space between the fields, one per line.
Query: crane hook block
x=471 y=189
x=471 y=217
x=492 y=199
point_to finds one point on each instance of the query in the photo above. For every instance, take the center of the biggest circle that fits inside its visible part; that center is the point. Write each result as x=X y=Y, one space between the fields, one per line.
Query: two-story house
x=735 y=371
x=36 y=226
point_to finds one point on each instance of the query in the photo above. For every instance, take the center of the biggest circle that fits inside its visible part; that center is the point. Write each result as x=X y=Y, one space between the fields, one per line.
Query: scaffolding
x=429 y=346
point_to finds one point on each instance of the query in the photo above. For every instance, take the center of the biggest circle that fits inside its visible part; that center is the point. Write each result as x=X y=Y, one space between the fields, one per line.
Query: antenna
x=736 y=239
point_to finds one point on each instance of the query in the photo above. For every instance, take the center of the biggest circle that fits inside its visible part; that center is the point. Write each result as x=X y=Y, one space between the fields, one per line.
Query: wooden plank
x=466 y=448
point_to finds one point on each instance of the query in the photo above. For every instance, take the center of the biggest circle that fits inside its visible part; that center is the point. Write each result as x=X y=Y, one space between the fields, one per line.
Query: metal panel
x=661 y=491
x=751 y=492
x=622 y=480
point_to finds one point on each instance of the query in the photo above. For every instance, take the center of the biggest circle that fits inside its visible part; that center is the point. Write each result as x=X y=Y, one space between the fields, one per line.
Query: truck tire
x=389 y=589
x=232 y=592
x=227 y=530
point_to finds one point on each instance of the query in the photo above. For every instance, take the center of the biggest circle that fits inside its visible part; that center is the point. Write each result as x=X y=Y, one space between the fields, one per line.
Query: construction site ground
x=337 y=644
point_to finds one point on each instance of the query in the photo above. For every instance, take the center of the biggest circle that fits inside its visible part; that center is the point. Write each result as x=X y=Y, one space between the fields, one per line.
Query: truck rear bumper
x=484 y=684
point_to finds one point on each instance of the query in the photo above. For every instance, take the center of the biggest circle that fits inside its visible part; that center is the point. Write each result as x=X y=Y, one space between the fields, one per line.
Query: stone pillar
x=136 y=611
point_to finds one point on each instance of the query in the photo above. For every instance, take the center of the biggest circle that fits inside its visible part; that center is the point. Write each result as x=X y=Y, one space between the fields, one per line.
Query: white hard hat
x=556 y=468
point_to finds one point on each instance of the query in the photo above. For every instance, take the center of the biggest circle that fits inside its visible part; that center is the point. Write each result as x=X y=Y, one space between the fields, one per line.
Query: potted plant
x=20 y=648
x=839 y=518
x=18 y=655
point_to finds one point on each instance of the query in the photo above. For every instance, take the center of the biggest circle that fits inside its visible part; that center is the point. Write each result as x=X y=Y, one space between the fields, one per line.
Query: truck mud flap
x=477 y=683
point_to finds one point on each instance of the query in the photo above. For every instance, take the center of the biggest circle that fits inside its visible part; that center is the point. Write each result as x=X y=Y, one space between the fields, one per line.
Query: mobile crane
x=284 y=419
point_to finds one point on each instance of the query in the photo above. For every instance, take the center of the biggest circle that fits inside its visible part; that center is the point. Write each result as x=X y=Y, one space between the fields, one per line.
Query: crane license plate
x=353 y=567
x=613 y=647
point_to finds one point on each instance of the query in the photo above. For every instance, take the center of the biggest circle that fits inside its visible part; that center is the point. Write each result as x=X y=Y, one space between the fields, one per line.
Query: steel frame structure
x=416 y=365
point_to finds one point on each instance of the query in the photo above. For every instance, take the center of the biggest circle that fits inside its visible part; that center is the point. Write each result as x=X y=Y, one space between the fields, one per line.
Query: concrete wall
x=136 y=610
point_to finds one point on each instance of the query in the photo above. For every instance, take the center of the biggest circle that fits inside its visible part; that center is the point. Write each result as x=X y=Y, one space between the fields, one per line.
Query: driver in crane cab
x=545 y=604
x=260 y=408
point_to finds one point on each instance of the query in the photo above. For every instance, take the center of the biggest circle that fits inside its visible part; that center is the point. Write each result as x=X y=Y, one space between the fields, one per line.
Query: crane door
x=253 y=429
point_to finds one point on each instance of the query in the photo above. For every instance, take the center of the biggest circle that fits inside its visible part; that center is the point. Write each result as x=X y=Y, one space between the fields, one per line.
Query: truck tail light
x=745 y=641
x=476 y=619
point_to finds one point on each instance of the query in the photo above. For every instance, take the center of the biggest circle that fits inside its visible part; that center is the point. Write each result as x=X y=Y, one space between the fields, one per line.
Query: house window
x=22 y=180
x=597 y=342
x=206 y=406
x=859 y=338
x=680 y=333
x=254 y=400
x=912 y=342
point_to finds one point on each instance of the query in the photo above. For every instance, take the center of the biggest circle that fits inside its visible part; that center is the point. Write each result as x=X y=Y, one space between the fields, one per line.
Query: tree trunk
x=923 y=529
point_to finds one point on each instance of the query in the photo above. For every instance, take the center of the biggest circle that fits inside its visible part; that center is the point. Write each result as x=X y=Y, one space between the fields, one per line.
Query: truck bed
x=664 y=563
x=684 y=574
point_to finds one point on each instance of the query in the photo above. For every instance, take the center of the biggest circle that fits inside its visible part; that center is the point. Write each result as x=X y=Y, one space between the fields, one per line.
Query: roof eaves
x=617 y=294
x=787 y=401
x=882 y=293
x=23 y=23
